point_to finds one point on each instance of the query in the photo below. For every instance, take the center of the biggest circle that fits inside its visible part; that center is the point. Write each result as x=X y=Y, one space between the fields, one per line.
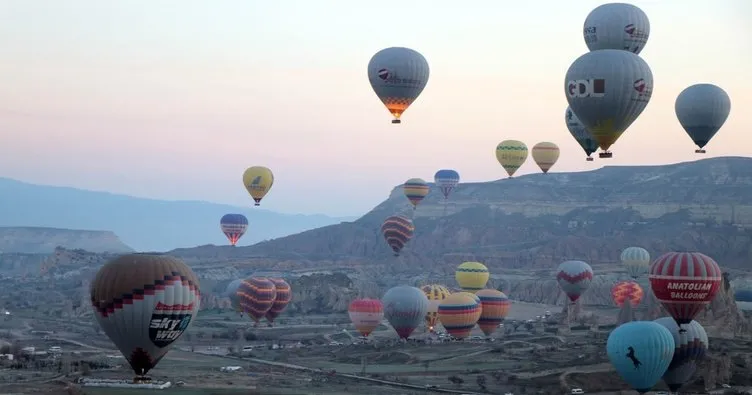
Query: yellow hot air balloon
x=471 y=276
x=258 y=180
x=545 y=155
x=511 y=154
x=435 y=294
x=459 y=313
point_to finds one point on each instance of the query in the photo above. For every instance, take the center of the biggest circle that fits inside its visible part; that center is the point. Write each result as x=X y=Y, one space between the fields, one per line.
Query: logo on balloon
x=586 y=88
x=644 y=91
x=384 y=74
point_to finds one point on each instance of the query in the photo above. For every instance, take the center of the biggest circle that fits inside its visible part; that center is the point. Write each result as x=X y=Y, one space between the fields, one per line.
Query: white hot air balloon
x=702 y=109
x=398 y=76
x=608 y=89
x=616 y=26
x=636 y=260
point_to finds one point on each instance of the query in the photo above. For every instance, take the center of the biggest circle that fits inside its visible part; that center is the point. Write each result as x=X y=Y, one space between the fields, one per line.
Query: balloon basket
x=606 y=155
x=396 y=121
x=142 y=380
x=589 y=159
x=699 y=151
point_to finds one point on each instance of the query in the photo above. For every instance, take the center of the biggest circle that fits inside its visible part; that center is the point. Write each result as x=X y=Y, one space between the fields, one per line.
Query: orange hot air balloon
x=494 y=308
x=283 y=298
x=366 y=315
x=627 y=291
x=257 y=296
x=459 y=313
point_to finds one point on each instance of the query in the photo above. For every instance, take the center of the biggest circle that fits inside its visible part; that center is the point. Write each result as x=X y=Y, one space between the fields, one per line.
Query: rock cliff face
x=32 y=240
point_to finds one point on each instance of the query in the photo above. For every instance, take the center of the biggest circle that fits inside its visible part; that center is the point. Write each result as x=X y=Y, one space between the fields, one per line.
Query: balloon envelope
x=580 y=133
x=545 y=155
x=574 y=278
x=257 y=295
x=702 y=109
x=233 y=226
x=627 y=292
x=281 y=300
x=471 y=276
x=398 y=76
x=459 y=313
x=446 y=180
x=608 y=89
x=511 y=154
x=397 y=231
x=435 y=294
x=691 y=344
x=640 y=351
x=636 y=260
x=494 y=308
x=743 y=298
x=405 y=308
x=415 y=189
x=231 y=292
x=144 y=303
x=616 y=26
x=366 y=315
x=258 y=180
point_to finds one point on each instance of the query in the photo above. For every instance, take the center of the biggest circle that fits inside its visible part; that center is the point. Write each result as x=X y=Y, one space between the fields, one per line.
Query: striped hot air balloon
x=624 y=291
x=366 y=315
x=545 y=155
x=511 y=154
x=684 y=283
x=281 y=300
x=405 y=308
x=471 y=276
x=446 y=180
x=233 y=226
x=435 y=294
x=415 y=189
x=636 y=260
x=574 y=278
x=397 y=231
x=257 y=296
x=495 y=307
x=459 y=313
x=691 y=344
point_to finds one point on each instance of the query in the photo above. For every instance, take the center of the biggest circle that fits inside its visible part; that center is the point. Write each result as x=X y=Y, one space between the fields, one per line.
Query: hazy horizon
x=174 y=99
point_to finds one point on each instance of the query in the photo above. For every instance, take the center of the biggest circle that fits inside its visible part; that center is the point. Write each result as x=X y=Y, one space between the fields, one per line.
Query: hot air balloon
x=281 y=300
x=415 y=190
x=258 y=180
x=580 y=133
x=471 y=276
x=627 y=291
x=405 y=308
x=574 y=278
x=684 y=283
x=495 y=307
x=511 y=154
x=233 y=226
x=231 y=292
x=617 y=26
x=702 y=109
x=690 y=346
x=636 y=260
x=398 y=76
x=397 y=231
x=435 y=294
x=144 y=303
x=459 y=313
x=545 y=155
x=366 y=315
x=608 y=89
x=640 y=352
x=743 y=297
x=257 y=296
x=446 y=180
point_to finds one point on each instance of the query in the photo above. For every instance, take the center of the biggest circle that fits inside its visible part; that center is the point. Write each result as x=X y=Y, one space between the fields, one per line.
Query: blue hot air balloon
x=640 y=352
x=233 y=226
x=446 y=180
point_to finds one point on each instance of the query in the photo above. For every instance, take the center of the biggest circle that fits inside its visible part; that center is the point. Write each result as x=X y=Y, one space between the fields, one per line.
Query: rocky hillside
x=32 y=240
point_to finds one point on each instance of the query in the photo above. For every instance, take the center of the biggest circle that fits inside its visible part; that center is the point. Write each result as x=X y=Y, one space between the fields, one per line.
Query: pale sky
x=174 y=99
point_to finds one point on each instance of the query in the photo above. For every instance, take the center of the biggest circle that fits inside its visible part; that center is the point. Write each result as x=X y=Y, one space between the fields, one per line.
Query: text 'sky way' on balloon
x=580 y=134
x=511 y=154
x=471 y=276
x=690 y=346
x=617 y=26
x=574 y=278
x=545 y=155
x=459 y=313
x=627 y=292
x=366 y=315
x=405 y=309
x=636 y=260
x=608 y=89
x=398 y=75
x=684 y=283
x=702 y=109
x=282 y=298
x=258 y=180
x=446 y=180
x=397 y=231
x=233 y=226
x=257 y=296
x=231 y=292
x=435 y=294
x=416 y=189
x=494 y=308
x=145 y=302
x=640 y=351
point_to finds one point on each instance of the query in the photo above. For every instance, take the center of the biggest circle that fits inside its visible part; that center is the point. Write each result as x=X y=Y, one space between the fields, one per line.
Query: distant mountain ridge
x=141 y=223
x=46 y=240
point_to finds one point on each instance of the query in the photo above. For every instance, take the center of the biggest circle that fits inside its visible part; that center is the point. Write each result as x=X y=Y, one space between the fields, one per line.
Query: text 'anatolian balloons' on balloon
x=511 y=154
x=144 y=303
x=471 y=276
x=636 y=260
x=608 y=89
x=281 y=300
x=580 y=134
x=627 y=292
x=702 y=109
x=616 y=26
x=415 y=190
x=233 y=226
x=398 y=75
x=435 y=294
x=258 y=180
x=366 y=315
x=397 y=231
x=405 y=308
x=574 y=278
x=459 y=313
x=640 y=351
x=257 y=296
x=446 y=180
x=690 y=346
x=545 y=155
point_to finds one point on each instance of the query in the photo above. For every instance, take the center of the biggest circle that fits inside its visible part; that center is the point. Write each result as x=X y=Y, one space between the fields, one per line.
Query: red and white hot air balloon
x=684 y=283
x=366 y=315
